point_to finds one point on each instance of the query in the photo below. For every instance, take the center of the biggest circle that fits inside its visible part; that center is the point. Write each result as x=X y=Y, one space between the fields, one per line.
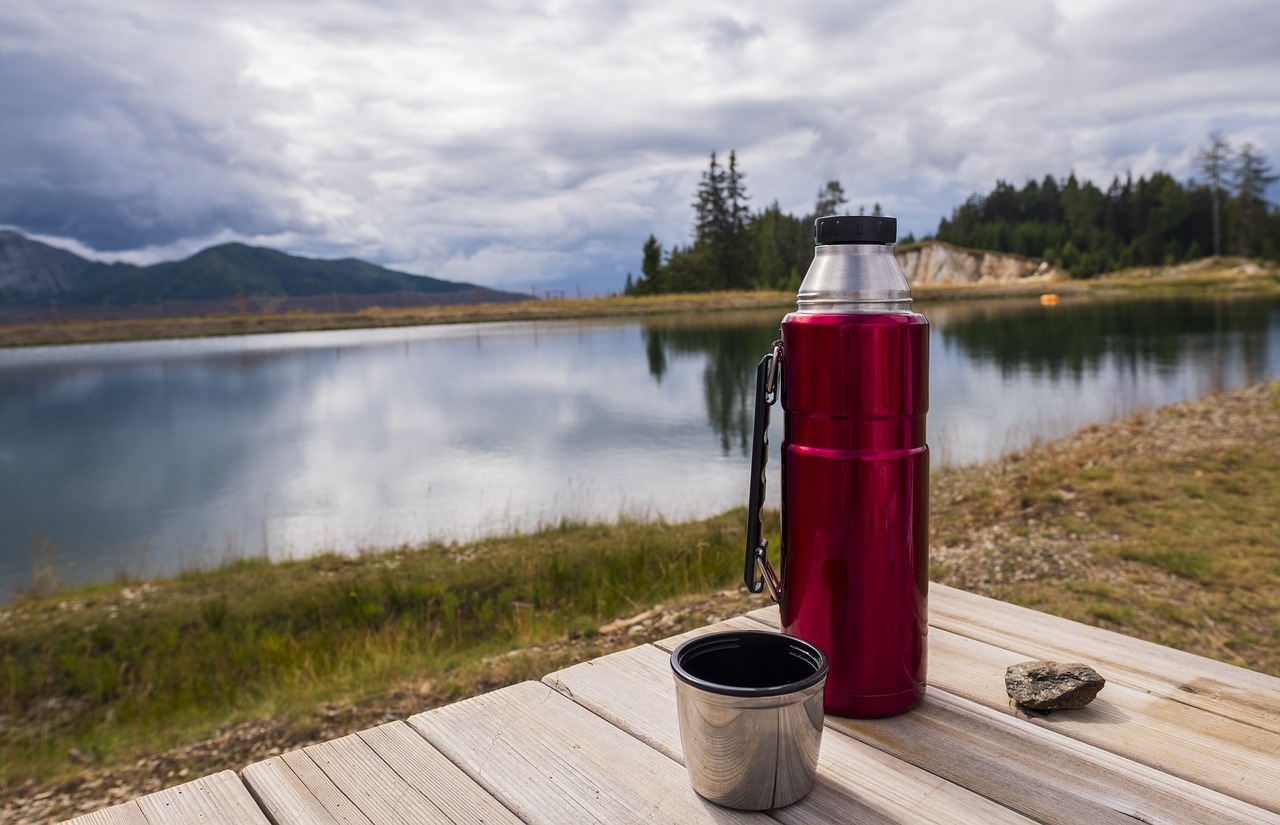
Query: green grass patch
x=1190 y=564
x=104 y=669
x=1116 y=614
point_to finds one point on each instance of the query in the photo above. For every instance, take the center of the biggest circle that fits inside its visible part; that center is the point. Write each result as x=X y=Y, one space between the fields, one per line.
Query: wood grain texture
x=434 y=776
x=1195 y=744
x=127 y=814
x=220 y=798
x=1227 y=744
x=373 y=786
x=634 y=690
x=1190 y=743
x=292 y=790
x=1047 y=776
x=550 y=760
x=1236 y=693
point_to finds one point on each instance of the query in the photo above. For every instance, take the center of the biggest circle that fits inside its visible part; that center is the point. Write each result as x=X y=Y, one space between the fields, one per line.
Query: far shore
x=1224 y=275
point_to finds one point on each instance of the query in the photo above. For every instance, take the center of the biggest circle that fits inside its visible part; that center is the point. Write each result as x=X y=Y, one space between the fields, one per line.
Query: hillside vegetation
x=1071 y=224
x=56 y=281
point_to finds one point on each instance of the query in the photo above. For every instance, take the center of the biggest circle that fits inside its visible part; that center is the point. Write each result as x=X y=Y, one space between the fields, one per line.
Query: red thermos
x=852 y=370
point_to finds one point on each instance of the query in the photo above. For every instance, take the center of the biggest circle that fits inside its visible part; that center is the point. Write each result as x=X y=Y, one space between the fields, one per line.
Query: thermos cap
x=851 y=229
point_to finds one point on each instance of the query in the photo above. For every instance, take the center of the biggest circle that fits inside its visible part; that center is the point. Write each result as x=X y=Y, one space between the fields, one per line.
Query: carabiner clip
x=757 y=560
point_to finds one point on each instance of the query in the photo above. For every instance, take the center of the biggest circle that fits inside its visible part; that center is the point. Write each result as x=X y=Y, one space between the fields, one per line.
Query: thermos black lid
x=869 y=229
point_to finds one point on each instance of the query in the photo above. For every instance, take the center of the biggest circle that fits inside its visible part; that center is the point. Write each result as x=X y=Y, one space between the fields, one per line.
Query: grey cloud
x=1158 y=37
x=729 y=35
x=91 y=157
x=516 y=143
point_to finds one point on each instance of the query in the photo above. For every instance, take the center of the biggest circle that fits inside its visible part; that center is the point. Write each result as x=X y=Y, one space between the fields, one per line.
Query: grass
x=1170 y=522
x=114 y=672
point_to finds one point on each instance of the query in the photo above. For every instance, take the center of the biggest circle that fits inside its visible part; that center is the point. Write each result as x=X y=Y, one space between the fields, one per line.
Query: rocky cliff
x=939 y=263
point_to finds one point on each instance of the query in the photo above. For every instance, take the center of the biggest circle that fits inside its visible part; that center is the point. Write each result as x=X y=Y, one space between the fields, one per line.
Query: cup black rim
x=810 y=653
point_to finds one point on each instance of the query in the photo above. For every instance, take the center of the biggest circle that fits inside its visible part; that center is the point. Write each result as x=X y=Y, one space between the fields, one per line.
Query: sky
x=536 y=145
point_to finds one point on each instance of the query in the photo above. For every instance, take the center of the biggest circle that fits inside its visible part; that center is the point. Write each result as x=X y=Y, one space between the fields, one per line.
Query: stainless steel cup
x=750 y=710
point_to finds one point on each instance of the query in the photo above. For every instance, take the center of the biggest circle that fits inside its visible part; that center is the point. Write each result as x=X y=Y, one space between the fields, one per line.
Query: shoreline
x=1209 y=276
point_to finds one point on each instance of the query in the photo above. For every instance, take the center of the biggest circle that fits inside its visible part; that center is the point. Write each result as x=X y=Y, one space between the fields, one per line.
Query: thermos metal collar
x=851 y=229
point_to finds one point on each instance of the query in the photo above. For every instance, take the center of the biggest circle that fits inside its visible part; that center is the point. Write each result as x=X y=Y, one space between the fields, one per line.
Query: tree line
x=1072 y=223
x=734 y=247
x=1148 y=222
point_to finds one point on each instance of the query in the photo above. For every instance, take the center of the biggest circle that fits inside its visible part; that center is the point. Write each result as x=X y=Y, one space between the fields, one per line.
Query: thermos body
x=852 y=372
x=855 y=473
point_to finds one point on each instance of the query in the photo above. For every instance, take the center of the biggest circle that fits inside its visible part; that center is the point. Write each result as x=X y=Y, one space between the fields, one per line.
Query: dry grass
x=83 y=332
x=1165 y=526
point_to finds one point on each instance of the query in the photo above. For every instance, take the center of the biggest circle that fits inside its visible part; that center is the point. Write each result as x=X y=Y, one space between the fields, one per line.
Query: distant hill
x=36 y=276
x=32 y=271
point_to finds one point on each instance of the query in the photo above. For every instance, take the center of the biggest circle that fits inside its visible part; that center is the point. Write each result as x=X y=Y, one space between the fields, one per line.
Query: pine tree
x=720 y=227
x=651 y=262
x=1251 y=175
x=1212 y=160
x=830 y=199
x=736 y=197
x=734 y=252
x=710 y=206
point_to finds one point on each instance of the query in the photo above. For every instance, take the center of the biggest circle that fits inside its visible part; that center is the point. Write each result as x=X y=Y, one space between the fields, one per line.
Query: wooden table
x=1173 y=737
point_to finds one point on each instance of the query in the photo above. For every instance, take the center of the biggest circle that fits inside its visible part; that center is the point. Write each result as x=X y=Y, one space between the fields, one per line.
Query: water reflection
x=159 y=456
x=729 y=346
x=148 y=457
x=1075 y=337
x=1008 y=374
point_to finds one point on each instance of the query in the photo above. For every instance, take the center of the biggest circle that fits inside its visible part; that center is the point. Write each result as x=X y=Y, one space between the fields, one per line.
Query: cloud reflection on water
x=148 y=457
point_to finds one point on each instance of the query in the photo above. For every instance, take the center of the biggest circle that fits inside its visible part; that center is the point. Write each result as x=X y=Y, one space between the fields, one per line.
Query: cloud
x=516 y=143
x=730 y=35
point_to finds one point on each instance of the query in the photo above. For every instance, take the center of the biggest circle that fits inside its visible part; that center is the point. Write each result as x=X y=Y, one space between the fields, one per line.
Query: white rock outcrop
x=933 y=262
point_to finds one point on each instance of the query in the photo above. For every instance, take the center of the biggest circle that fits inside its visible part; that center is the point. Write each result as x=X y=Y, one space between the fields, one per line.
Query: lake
x=146 y=458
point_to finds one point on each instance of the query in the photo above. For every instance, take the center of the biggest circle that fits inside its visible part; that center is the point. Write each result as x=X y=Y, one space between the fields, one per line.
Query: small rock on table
x=1052 y=685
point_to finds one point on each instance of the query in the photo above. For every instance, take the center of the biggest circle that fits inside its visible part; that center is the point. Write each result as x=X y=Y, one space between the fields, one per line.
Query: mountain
x=30 y=270
x=35 y=274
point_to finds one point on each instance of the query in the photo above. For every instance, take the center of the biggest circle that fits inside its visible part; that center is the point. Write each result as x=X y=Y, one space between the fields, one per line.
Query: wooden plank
x=634 y=690
x=550 y=760
x=1215 y=743
x=1136 y=715
x=1200 y=746
x=1047 y=776
x=1237 y=693
x=977 y=741
x=748 y=622
x=343 y=783
x=219 y=798
x=370 y=783
x=126 y=814
x=292 y=790
x=434 y=776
